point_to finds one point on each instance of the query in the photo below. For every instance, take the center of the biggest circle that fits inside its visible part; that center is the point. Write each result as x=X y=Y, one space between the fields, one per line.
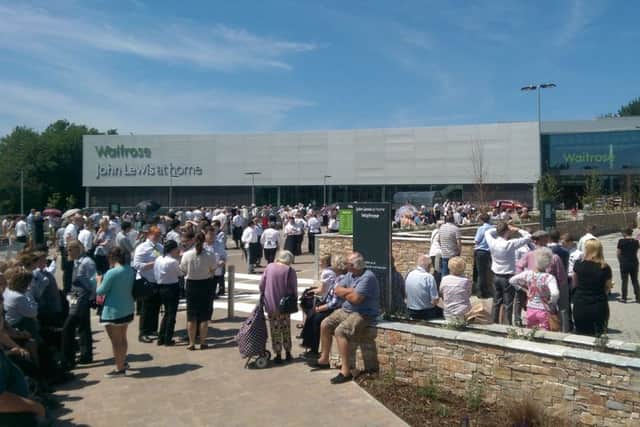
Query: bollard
x=231 y=280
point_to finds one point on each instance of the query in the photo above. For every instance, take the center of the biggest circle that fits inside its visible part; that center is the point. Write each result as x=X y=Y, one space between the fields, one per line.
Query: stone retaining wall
x=581 y=385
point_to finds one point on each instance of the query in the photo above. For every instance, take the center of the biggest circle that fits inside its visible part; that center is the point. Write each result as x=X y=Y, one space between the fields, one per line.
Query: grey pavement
x=170 y=386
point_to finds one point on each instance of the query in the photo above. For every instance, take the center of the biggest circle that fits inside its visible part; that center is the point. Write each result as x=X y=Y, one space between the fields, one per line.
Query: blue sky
x=148 y=66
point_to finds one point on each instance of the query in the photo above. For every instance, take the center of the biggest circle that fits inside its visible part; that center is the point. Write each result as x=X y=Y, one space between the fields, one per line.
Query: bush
x=529 y=413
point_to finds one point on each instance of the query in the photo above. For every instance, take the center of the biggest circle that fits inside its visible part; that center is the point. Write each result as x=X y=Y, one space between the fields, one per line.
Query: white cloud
x=579 y=18
x=143 y=109
x=217 y=47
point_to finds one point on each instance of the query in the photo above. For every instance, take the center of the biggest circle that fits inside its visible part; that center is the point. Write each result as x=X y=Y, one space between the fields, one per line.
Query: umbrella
x=70 y=213
x=51 y=212
x=148 y=206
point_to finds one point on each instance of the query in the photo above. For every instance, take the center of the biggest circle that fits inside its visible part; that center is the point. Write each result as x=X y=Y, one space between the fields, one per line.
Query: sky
x=204 y=66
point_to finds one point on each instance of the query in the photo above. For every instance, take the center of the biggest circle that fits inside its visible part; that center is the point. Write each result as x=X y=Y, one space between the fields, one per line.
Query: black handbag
x=142 y=289
x=288 y=304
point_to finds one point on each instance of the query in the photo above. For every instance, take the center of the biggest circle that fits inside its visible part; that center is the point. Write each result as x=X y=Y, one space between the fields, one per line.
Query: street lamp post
x=253 y=185
x=538 y=88
x=21 y=191
x=324 y=189
x=170 y=190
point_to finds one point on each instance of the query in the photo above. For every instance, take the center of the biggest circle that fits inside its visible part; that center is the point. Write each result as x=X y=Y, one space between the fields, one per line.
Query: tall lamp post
x=253 y=185
x=538 y=88
x=324 y=189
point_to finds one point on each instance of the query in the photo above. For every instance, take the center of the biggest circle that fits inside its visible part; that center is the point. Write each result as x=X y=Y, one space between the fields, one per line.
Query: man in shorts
x=361 y=292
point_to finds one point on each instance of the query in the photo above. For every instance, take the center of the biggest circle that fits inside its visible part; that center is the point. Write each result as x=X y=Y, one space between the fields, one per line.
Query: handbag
x=554 y=322
x=288 y=304
x=142 y=289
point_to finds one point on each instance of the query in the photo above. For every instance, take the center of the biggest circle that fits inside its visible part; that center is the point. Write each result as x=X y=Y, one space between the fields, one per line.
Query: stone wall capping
x=545 y=349
x=554 y=337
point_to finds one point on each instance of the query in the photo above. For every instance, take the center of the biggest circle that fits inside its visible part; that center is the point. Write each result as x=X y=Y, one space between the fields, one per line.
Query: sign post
x=372 y=238
x=548 y=217
x=345 y=219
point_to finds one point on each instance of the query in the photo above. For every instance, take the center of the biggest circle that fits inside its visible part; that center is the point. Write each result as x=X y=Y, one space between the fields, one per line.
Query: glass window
x=604 y=151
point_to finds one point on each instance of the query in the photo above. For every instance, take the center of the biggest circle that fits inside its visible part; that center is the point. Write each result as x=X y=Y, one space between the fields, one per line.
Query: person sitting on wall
x=422 y=291
x=361 y=292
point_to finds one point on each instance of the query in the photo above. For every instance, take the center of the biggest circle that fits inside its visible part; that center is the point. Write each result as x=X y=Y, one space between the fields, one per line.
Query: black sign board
x=114 y=208
x=548 y=215
x=372 y=238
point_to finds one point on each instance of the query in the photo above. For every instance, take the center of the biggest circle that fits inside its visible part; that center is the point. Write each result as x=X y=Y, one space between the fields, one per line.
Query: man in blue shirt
x=361 y=292
x=422 y=291
x=482 y=259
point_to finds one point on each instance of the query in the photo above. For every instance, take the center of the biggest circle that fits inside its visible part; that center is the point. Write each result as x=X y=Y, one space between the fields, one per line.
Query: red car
x=507 y=204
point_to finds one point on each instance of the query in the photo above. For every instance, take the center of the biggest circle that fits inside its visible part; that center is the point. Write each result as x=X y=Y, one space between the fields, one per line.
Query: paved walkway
x=176 y=387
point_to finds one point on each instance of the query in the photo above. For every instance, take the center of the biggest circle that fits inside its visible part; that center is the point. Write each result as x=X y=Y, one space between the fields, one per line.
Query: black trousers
x=626 y=272
x=169 y=296
x=270 y=255
x=149 y=314
x=481 y=273
x=427 y=314
x=312 y=242
x=82 y=324
x=311 y=330
x=218 y=285
x=67 y=272
x=504 y=295
x=299 y=239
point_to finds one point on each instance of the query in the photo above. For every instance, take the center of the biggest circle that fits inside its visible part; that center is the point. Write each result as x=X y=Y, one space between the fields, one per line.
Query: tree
x=479 y=165
x=51 y=162
x=548 y=188
x=627 y=110
x=55 y=201
x=592 y=189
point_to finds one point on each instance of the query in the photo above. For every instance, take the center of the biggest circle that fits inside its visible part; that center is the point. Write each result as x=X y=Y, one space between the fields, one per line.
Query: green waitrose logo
x=122 y=152
x=586 y=157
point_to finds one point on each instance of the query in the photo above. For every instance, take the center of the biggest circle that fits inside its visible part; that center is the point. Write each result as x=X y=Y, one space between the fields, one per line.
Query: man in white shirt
x=85 y=236
x=251 y=246
x=301 y=225
x=166 y=271
x=422 y=291
x=270 y=241
x=587 y=236
x=22 y=232
x=314 y=225
x=503 y=265
x=143 y=261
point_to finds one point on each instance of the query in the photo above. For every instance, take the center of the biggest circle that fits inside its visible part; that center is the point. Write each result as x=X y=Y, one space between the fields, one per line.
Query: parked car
x=507 y=204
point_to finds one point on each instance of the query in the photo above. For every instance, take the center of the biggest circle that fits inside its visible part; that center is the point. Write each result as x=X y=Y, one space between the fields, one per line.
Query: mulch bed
x=429 y=406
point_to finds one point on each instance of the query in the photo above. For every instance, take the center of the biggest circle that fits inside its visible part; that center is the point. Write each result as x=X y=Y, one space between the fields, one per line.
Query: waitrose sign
x=587 y=158
x=122 y=152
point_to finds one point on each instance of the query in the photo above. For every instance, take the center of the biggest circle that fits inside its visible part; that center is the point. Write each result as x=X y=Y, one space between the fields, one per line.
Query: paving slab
x=170 y=386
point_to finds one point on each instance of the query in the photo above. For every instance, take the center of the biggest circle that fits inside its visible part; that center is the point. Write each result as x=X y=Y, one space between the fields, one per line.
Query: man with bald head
x=422 y=291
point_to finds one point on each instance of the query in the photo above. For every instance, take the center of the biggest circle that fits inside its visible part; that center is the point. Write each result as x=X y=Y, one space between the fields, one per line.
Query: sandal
x=191 y=347
x=299 y=326
x=204 y=346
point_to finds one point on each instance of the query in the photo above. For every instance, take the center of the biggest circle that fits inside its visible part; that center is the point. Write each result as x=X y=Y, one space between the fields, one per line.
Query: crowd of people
x=121 y=265
x=125 y=264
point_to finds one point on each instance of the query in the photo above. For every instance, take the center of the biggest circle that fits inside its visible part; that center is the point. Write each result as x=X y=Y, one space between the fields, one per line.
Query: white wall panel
x=371 y=156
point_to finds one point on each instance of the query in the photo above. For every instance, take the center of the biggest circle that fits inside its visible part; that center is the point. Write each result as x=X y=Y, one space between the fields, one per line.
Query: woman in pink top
x=455 y=290
x=278 y=281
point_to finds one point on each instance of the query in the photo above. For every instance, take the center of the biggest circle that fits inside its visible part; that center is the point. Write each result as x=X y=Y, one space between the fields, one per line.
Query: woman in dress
x=103 y=244
x=117 y=311
x=198 y=267
x=591 y=283
x=541 y=288
x=279 y=280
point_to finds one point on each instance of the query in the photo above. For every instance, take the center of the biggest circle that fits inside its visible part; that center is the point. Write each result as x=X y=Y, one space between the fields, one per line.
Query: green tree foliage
x=50 y=161
x=631 y=109
x=627 y=110
x=548 y=188
x=592 y=189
